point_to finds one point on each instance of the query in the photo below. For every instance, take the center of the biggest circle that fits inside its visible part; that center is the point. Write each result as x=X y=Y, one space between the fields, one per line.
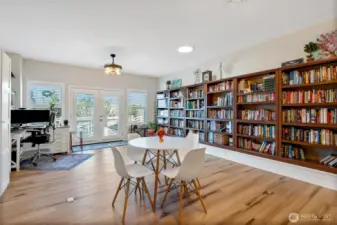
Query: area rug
x=65 y=162
x=98 y=146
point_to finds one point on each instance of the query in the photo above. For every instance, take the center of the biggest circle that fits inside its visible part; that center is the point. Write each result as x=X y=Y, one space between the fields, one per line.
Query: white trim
x=5 y=159
x=320 y=178
x=128 y=90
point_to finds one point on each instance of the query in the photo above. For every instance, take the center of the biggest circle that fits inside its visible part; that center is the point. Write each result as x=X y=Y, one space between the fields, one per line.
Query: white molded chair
x=134 y=153
x=190 y=168
x=128 y=172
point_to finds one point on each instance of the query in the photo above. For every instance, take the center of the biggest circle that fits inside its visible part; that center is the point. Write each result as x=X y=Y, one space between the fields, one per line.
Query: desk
x=152 y=143
x=16 y=137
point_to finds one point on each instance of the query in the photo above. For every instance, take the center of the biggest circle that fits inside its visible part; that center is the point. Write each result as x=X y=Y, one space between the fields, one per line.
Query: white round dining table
x=152 y=143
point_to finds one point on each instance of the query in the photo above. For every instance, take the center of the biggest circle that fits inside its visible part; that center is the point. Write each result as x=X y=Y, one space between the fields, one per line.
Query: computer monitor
x=24 y=116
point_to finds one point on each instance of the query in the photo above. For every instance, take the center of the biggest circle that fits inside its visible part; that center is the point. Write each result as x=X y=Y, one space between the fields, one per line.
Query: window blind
x=137 y=106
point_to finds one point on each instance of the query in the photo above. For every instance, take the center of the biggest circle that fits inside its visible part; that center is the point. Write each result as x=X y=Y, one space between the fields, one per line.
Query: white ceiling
x=146 y=33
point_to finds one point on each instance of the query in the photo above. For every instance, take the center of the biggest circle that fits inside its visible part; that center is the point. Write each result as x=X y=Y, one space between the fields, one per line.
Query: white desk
x=16 y=137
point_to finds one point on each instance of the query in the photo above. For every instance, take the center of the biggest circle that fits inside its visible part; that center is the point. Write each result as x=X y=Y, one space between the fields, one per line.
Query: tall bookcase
x=260 y=113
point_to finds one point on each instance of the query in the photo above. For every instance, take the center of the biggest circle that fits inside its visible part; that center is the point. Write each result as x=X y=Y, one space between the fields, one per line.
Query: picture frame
x=206 y=76
x=176 y=83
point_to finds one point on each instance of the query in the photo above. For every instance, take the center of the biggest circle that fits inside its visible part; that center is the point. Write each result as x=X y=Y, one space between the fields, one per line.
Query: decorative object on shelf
x=220 y=70
x=293 y=62
x=197 y=74
x=65 y=122
x=176 y=83
x=152 y=128
x=310 y=48
x=285 y=79
x=207 y=76
x=243 y=85
x=112 y=68
x=327 y=43
x=161 y=133
x=168 y=85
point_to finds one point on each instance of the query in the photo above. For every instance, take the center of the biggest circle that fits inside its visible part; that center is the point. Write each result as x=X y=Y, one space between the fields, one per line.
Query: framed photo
x=176 y=84
x=207 y=76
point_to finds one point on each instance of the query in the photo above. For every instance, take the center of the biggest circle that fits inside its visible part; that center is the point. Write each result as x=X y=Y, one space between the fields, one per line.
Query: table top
x=169 y=143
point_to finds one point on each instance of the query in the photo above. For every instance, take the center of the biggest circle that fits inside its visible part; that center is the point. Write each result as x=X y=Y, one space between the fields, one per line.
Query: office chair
x=42 y=136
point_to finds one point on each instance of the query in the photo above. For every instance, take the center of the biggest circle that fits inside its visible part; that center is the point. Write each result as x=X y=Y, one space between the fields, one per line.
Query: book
x=310 y=136
x=314 y=116
x=257 y=114
x=310 y=96
x=220 y=114
x=226 y=85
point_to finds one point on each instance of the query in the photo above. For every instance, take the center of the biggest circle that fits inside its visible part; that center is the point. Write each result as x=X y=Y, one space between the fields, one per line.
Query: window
x=42 y=96
x=137 y=103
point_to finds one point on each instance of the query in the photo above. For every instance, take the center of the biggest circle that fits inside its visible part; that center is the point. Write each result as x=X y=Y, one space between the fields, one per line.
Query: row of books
x=177 y=123
x=314 y=116
x=225 y=100
x=196 y=124
x=330 y=160
x=223 y=114
x=324 y=73
x=221 y=139
x=257 y=114
x=197 y=104
x=176 y=132
x=162 y=121
x=264 y=97
x=226 y=85
x=220 y=126
x=176 y=104
x=162 y=113
x=176 y=94
x=268 y=83
x=196 y=93
x=267 y=131
x=292 y=152
x=195 y=114
x=310 y=96
x=310 y=136
x=264 y=147
x=176 y=113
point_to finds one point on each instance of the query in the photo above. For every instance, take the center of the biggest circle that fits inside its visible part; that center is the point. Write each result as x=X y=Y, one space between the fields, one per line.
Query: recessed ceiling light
x=185 y=49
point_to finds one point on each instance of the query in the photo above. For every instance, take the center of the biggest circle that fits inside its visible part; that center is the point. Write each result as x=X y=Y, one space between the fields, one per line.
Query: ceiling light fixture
x=185 y=49
x=113 y=69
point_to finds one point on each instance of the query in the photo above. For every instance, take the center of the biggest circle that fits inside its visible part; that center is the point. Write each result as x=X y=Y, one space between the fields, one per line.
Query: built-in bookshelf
x=287 y=114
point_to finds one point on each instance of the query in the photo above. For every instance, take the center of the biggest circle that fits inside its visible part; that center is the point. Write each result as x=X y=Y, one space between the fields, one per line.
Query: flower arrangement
x=328 y=44
x=161 y=133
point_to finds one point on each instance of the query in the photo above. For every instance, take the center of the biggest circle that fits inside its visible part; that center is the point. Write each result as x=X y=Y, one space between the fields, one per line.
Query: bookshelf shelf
x=311 y=145
x=255 y=137
x=257 y=121
x=314 y=125
x=310 y=105
x=257 y=103
x=256 y=92
x=309 y=85
x=200 y=102
x=215 y=119
x=219 y=107
x=217 y=92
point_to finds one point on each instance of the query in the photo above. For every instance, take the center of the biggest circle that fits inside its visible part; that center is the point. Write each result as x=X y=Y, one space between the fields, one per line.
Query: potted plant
x=168 y=85
x=152 y=127
x=310 y=48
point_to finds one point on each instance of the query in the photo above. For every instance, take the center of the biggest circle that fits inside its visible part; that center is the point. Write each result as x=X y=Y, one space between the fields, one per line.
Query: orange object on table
x=161 y=133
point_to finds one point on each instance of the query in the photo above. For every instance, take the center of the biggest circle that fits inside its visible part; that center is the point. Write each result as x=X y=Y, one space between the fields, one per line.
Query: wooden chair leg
x=166 y=193
x=126 y=199
x=144 y=158
x=147 y=192
x=199 y=185
x=198 y=193
x=117 y=191
x=164 y=158
x=178 y=158
x=186 y=188
x=181 y=202
x=138 y=187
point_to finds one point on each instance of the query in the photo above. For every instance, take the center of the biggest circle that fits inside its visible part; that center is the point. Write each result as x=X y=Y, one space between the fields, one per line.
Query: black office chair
x=42 y=136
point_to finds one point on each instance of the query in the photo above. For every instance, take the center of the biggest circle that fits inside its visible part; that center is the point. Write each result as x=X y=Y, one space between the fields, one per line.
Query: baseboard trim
x=320 y=178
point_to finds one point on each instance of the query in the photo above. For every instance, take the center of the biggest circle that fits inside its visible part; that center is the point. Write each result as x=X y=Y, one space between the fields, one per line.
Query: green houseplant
x=152 y=127
x=310 y=48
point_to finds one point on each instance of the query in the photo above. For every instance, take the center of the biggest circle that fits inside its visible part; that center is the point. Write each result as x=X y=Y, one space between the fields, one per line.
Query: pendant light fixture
x=113 y=69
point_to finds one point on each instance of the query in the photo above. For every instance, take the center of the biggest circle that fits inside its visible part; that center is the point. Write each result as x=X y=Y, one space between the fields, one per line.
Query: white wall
x=263 y=56
x=85 y=77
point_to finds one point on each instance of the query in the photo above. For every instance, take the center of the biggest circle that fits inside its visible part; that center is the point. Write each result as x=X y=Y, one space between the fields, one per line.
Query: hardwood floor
x=233 y=194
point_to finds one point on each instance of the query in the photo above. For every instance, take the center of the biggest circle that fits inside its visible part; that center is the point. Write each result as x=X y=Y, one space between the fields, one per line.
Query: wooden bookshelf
x=313 y=152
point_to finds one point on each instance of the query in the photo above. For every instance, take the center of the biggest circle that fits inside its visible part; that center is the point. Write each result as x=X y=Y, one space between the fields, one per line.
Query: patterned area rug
x=65 y=162
x=98 y=146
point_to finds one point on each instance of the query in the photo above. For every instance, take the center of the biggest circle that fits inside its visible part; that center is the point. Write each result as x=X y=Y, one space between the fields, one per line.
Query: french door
x=96 y=114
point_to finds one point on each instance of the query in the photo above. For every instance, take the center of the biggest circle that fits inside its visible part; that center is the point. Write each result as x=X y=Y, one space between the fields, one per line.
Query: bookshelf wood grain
x=277 y=105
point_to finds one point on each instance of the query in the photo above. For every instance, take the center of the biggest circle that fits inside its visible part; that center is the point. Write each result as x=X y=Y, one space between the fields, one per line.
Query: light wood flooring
x=233 y=194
